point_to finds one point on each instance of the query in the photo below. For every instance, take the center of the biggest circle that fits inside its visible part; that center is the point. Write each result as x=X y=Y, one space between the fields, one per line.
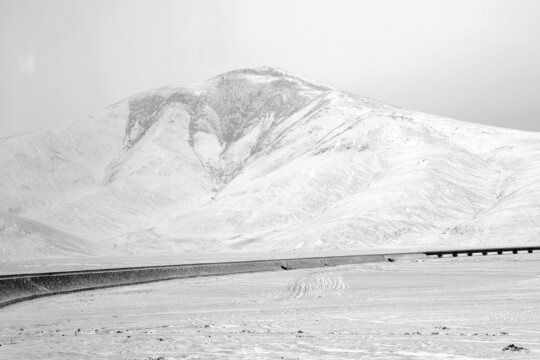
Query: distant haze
x=478 y=61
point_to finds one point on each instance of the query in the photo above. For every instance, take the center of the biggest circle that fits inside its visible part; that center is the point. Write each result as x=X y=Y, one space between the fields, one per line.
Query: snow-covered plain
x=448 y=309
x=259 y=160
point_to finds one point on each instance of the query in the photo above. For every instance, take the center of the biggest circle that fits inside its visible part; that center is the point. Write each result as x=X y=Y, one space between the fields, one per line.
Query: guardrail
x=484 y=251
x=21 y=287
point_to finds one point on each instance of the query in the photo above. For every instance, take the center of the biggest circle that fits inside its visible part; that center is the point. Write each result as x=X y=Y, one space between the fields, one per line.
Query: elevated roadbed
x=15 y=288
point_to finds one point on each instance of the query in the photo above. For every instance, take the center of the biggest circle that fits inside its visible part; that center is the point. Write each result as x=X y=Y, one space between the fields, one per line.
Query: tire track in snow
x=314 y=284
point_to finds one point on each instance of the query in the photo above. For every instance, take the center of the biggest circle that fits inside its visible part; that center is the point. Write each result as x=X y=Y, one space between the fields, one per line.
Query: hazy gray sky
x=474 y=60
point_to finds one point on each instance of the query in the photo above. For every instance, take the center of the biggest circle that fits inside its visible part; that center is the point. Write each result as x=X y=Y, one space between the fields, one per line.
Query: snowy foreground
x=464 y=308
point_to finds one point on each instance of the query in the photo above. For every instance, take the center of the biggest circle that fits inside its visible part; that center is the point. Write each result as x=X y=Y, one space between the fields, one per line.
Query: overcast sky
x=473 y=60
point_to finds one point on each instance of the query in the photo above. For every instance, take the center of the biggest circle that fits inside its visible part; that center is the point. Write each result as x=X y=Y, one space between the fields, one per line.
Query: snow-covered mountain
x=261 y=159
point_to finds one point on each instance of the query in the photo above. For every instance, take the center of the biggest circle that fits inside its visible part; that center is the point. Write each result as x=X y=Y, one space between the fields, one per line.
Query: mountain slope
x=264 y=159
x=23 y=238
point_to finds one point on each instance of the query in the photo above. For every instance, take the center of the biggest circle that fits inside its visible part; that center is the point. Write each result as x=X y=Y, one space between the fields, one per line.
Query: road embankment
x=17 y=288
x=20 y=287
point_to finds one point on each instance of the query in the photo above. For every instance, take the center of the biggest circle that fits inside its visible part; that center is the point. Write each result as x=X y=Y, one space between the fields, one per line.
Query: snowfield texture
x=446 y=309
x=261 y=159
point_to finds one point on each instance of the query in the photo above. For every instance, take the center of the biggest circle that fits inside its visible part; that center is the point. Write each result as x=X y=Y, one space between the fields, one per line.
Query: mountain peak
x=268 y=73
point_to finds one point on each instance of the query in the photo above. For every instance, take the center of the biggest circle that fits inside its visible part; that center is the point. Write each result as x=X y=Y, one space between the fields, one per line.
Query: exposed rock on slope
x=263 y=159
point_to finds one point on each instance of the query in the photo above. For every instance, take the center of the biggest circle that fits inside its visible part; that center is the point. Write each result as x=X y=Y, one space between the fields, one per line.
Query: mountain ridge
x=265 y=159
